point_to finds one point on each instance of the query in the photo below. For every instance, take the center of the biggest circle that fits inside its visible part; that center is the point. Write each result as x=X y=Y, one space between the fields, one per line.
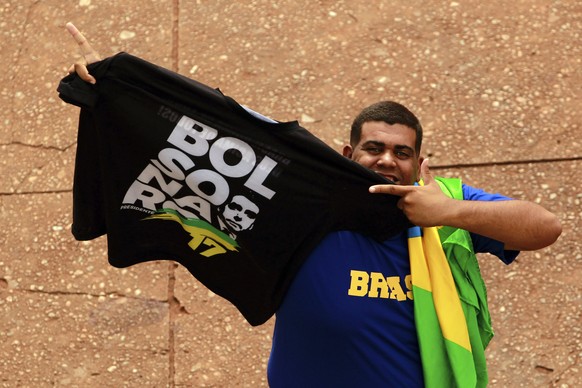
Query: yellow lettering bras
x=376 y=285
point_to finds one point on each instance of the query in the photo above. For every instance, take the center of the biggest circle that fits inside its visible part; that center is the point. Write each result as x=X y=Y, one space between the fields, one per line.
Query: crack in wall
x=34 y=192
x=38 y=146
x=86 y=294
x=17 y=58
x=507 y=163
x=173 y=303
x=432 y=167
x=174 y=309
x=33 y=170
x=573 y=366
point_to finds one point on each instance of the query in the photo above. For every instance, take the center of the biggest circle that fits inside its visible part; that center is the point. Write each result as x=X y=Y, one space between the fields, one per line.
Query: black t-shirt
x=171 y=169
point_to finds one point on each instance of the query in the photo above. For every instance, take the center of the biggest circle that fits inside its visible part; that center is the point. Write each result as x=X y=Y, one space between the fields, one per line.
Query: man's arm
x=520 y=225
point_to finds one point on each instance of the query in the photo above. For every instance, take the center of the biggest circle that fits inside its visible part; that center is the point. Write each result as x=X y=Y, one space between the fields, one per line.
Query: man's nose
x=386 y=159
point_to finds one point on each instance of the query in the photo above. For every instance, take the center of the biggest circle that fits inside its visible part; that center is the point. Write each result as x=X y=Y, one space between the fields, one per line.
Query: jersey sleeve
x=483 y=244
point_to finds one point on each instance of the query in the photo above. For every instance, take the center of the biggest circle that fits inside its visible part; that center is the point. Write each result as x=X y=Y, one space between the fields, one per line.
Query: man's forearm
x=520 y=225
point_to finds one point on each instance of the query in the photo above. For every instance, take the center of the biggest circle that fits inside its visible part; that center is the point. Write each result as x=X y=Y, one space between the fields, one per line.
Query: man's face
x=387 y=150
x=240 y=213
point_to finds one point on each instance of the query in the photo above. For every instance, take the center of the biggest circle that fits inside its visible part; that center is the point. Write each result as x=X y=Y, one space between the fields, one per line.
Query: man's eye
x=403 y=154
x=234 y=206
x=372 y=150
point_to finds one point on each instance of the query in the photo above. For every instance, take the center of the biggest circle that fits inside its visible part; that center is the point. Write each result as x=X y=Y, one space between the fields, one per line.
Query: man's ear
x=348 y=151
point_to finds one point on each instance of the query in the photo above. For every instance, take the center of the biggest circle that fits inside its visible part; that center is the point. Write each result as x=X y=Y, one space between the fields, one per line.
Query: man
x=240 y=214
x=348 y=319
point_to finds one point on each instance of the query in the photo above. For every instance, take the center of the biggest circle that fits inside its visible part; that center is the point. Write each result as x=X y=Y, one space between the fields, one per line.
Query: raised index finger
x=88 y=52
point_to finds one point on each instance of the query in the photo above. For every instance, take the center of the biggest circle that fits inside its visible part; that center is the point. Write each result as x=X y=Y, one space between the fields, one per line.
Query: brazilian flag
x=450 y=303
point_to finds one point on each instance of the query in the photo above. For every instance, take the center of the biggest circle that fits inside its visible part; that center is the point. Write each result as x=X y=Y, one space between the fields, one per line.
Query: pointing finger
x=391 y=189
x=89 y=53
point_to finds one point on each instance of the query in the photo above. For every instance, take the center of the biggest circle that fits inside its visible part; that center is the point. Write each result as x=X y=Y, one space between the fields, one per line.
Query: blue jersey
x=348 y=321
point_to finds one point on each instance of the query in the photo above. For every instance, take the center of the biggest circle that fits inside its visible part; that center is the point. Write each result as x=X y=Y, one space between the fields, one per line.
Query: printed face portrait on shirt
x=240 y=213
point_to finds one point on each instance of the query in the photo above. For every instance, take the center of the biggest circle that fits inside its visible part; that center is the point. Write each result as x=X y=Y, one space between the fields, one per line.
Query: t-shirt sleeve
x=75 y=91
x=483 y=244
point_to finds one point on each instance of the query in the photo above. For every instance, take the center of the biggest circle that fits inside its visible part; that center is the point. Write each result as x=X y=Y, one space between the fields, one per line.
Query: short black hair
x=391 y=113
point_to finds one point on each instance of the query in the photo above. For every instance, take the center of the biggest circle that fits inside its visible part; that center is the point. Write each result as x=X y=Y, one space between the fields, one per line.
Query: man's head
x=386 y=138
x=240 y=213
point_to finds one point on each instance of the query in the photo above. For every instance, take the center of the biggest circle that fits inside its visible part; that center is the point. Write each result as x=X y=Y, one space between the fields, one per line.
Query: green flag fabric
x=450 y=303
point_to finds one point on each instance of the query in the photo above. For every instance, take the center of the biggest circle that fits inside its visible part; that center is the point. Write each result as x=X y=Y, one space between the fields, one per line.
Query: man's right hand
x=90 y=55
